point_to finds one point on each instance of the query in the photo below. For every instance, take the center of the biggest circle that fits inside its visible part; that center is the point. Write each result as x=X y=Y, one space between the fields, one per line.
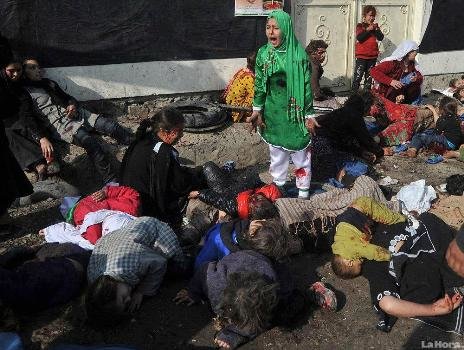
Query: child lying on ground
x=354 y=232
x=127 y=265
x=102 y=212
x=237 y=199
x=226 y=198
x=447 y=132
x=249 y=294
x=33 y=279
x=267 y=237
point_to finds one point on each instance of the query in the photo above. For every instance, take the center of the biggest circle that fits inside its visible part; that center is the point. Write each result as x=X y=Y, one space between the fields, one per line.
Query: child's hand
x=99 y=196
x=193 y=194
x=311 y=124
x=399 y=99
x=71 y=111
x=183 y=297
x=221 y=343
x=136 y=301
x=256 y=121
x=446 y=304
x=42 y=232
x=396 y=84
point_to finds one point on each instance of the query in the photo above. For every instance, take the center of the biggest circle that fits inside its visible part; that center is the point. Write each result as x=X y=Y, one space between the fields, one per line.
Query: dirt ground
x=160 y=324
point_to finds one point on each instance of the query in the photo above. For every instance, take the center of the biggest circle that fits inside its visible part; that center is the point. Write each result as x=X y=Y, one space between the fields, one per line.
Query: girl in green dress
x=283 y=104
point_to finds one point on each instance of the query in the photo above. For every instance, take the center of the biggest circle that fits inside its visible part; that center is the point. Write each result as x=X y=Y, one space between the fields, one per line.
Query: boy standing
x=366 y=48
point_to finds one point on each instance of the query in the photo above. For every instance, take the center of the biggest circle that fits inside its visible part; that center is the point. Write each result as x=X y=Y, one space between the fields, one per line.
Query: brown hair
x=269 y=239
x=367 y=9
x=342 y=269
x=248 y=301
x=314 y=45
x=100 y=301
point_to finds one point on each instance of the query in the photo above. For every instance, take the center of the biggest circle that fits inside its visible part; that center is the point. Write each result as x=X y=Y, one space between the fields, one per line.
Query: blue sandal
x=434 y=159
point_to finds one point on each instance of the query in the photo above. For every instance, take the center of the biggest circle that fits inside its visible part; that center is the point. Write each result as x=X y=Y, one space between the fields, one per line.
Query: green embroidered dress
x=283 y=89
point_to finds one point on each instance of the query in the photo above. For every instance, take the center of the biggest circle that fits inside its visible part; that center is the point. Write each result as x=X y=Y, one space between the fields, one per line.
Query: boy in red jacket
x=366 y=48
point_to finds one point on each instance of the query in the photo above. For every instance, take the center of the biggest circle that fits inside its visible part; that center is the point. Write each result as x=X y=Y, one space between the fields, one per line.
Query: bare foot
x=410 y=153
x=388 y=151
x=451 y=154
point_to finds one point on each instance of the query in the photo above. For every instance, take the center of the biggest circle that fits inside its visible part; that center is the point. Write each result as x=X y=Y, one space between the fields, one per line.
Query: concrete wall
x=146 y=78
x=173 y=77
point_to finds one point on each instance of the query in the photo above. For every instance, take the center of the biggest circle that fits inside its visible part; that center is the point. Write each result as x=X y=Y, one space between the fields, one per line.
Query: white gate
x=335 y=22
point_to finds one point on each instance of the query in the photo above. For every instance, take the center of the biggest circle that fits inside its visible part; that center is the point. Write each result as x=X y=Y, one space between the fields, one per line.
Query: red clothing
x=270 y=191
x=118 y=198
x=401 y=116
x=383 y=74
x=368 y=49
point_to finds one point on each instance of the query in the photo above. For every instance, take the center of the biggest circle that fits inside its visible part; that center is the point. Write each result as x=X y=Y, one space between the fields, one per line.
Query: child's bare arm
x=403 y=308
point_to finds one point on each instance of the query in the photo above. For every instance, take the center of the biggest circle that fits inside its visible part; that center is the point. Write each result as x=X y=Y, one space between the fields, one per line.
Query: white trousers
x=280 y=159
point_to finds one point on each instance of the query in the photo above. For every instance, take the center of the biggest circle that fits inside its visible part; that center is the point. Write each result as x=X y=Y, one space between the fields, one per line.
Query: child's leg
x=377 y=211
x=417 y=142
x=110 y=127
x=359 y=70
x=367 y=73
x=279 y=165
x=96 y=153
x=302 y=161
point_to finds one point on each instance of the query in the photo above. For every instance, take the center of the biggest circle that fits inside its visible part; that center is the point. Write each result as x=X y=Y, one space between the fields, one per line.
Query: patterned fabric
x=401 y=116
x=119 y=254
x=326 y=206
x=283 y=89
x=240 y=92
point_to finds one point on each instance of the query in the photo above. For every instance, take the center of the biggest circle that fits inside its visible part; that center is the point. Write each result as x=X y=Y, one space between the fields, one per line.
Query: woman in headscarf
x=15 y=108
x=283 y=103
x=398 y=77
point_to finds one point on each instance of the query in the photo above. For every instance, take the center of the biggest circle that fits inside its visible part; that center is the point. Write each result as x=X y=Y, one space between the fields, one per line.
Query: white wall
x=146 y=78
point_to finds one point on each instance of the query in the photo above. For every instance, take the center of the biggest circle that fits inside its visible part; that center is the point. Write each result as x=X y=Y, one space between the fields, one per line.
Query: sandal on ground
x=323 y=296
x=400 y=148
x=434 y=159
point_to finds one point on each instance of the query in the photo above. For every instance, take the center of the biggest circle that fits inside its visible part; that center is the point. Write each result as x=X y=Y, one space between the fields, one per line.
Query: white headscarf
x=402 y=50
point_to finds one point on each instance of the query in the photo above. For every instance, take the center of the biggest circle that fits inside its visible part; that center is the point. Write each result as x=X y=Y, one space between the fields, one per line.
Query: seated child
x=99 y=213
x=447 y=132
x=353 y=234
x=240 y=90
x=264 y=236
x=127 y=265
x=36 y=278
x=249 y=294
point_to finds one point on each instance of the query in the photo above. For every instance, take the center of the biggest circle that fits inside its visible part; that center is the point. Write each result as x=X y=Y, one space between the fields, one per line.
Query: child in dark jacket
x=366 y=48
x=33 y=279
x=447 y=132
x=243 y=199
x=249 y=294
x=267 y=237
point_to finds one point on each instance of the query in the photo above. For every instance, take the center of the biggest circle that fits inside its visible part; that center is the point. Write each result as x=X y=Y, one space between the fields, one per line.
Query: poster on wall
x=257 y=7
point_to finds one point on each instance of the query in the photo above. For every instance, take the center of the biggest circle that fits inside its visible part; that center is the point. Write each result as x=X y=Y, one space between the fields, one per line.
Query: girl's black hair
x=251 y=61
x=248 y=301
x=364 y=97
x=167 y=119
